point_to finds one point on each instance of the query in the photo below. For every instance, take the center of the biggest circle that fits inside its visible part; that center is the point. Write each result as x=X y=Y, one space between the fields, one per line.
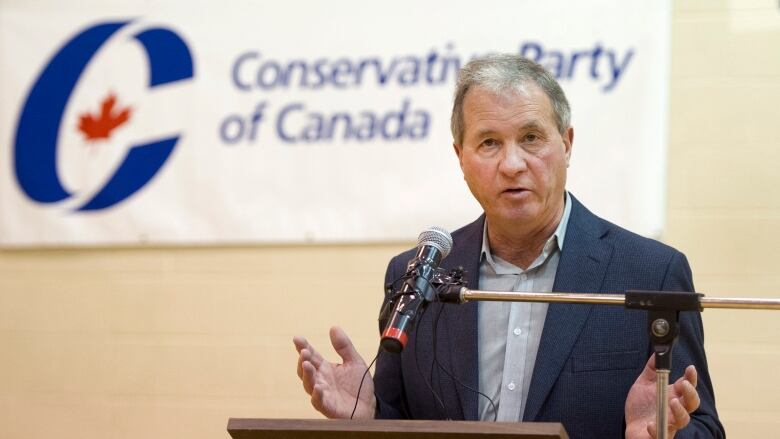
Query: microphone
x=433 y=245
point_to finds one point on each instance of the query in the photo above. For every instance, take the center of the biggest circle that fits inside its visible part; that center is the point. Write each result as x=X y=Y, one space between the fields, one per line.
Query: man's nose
x=513 y=160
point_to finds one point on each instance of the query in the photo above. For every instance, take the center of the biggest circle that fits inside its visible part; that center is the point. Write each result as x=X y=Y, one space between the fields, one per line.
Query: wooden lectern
x=390 y=429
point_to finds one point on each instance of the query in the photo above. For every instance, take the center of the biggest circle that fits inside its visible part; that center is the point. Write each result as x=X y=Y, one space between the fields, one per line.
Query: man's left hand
x=640 y=403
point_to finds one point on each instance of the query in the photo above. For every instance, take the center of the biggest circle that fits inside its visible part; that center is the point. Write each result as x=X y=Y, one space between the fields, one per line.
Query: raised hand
x=334 y=387
x=640 y=403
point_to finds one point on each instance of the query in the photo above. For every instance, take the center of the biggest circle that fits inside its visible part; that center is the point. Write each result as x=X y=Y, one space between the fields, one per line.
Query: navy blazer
x=589 y=356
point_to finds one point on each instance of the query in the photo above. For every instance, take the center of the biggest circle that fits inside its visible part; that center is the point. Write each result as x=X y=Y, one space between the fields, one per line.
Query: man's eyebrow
x=531 y=125
x=485 y=133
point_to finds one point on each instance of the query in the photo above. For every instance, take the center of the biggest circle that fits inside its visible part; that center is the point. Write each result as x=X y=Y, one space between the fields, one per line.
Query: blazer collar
x=462 y=319
x=582 y=268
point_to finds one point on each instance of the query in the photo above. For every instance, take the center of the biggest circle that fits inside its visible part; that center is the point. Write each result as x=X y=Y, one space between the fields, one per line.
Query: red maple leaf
x=101 y=125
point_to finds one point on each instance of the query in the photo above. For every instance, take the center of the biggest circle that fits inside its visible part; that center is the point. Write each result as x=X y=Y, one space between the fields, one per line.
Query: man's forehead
x=481 y=99
x=509 y=92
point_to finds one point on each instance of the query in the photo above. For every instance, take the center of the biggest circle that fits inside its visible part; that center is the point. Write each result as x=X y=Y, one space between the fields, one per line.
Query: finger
x=688 y=394
x=312 y=357
x=692 y=375
x=300 y=343
x=309 y=376
x=307 y=357
x=343 y=346
x=679 y=414
x=317 y=399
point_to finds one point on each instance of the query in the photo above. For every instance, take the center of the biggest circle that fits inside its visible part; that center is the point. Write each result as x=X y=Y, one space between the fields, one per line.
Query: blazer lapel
x=462 y=319
x=581 y=269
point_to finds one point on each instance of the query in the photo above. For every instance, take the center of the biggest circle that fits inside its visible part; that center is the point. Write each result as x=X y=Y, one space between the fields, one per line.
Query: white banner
x=180 y=122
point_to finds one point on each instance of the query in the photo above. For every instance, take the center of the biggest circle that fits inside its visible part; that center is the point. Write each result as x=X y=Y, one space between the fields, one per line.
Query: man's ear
x=568 y=141
x=458 y=152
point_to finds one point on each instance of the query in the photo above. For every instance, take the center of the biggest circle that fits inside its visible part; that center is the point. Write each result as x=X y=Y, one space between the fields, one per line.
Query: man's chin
x=519 y=216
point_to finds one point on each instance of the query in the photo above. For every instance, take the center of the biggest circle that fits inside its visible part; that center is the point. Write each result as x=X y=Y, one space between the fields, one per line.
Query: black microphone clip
x=418 y=289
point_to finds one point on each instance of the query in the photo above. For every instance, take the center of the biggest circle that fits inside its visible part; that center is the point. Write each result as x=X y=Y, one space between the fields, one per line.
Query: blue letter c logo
x=35 y=146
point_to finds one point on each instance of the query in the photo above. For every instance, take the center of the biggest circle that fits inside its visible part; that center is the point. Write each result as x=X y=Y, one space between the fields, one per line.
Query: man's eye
x=489 y=142
x=531 y=137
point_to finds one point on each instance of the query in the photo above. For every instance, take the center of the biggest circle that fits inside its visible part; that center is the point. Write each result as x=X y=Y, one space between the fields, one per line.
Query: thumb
x=343 y=346
x=648 y=373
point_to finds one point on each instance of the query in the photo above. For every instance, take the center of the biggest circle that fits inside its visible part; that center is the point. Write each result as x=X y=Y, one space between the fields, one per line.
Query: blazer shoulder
x=628 y=243
x=635 y=243
x=632 y=255
x=622 y=239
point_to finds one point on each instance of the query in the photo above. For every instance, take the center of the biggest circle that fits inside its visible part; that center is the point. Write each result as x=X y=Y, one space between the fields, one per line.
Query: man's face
x=513 y=157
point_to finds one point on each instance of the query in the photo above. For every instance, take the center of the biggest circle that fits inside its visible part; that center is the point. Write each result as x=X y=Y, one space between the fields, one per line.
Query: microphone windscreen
x=437 y=237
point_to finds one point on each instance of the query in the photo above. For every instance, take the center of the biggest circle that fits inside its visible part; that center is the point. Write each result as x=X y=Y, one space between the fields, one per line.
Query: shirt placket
x=516 y=346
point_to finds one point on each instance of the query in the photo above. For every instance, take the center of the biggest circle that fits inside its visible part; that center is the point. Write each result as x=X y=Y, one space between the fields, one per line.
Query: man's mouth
x=514 y=190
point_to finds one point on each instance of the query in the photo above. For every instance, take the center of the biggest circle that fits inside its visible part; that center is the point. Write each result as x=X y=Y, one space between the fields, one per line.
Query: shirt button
x=523 y=277
x=511 y=386
x=517 y=331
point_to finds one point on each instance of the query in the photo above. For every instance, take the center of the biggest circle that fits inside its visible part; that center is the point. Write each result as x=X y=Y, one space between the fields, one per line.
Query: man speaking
x=582 y=365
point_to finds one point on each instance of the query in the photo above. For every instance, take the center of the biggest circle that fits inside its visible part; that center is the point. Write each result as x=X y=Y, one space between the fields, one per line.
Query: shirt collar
x=554 y=242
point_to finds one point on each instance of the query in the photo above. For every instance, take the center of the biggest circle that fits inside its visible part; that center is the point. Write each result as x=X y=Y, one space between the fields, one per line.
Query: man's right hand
x=334 y=387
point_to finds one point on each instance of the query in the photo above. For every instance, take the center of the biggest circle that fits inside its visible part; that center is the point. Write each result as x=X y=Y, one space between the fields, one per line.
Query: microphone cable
x=390 y=298
x=429 y=383
x=357 y=397
x=452 y=376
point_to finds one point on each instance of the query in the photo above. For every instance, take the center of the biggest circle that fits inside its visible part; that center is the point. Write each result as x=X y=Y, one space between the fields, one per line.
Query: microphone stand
x=663 y=312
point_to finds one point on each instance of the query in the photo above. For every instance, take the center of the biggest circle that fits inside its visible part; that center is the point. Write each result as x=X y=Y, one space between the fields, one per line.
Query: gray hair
x=501 y=72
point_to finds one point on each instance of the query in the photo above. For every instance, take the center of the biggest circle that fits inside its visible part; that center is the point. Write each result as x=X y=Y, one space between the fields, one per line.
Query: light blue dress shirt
x=510 y=332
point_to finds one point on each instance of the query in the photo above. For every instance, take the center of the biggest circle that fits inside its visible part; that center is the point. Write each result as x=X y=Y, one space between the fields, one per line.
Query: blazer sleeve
x=690 y=350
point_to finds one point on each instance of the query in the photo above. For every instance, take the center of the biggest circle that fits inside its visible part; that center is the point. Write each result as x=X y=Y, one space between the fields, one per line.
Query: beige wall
x=170 y=342
x=150 y=342
x=723 y=206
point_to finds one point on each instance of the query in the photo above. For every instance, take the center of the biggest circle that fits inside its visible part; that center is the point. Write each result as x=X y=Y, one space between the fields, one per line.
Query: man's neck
x=517 y=245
